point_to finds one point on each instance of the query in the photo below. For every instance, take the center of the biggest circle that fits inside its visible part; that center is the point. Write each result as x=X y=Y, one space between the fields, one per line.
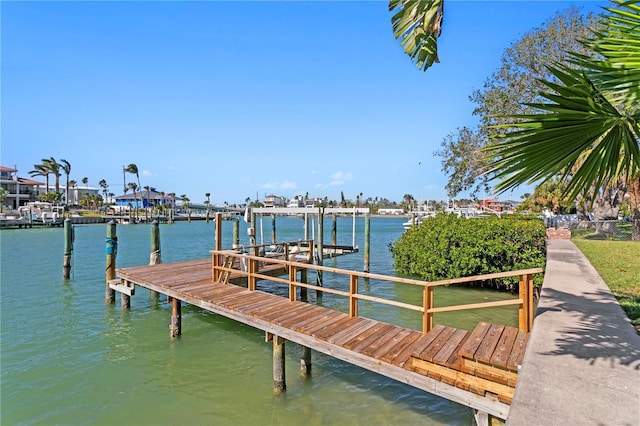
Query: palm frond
x=418 y=23
x=588 y=129
x=578 y=118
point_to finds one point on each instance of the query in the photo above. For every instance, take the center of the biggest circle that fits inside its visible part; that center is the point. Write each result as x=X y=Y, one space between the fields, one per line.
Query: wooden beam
x=128 y=288
x=461 y=377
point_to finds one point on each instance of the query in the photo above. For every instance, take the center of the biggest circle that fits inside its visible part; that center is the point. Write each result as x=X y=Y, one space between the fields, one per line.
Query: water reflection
x=120 y=344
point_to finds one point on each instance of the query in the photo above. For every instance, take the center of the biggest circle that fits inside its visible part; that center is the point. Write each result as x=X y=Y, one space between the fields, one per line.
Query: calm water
x=67 y=358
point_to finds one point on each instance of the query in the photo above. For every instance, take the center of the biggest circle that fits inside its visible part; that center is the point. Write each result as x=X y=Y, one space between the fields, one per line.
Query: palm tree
x=53 y=167
x=407 y=201
x=65 y=166
x=40 y=170
x=587 y=129
x=133 y=169
x=103 y=184
x=133 y=187
x=85 y=181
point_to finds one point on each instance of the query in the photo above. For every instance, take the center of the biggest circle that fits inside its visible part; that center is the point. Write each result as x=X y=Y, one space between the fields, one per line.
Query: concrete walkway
x=582 y=365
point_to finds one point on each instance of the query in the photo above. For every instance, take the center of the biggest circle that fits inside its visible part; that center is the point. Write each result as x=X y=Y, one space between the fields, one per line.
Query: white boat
x=417 y=218
x=11 y=218
x=42 y=213
x=468 y=212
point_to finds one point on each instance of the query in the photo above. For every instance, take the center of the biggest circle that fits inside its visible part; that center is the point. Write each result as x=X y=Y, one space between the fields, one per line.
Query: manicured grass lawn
x=618 y=263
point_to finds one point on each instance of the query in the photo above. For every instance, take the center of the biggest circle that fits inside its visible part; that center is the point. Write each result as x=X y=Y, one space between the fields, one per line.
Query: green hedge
x=447 y=246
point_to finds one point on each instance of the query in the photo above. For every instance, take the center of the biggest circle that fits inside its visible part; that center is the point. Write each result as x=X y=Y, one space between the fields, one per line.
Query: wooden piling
x=175 y=329
x=68 y=247
x=303 y=290
x=320 y=247
x=304 y=274
x=273 y=229
x=218 y=242
x=154 y=257
x=252 y=229
x=111 y=252
x=305 y=361
x=236 y=233
x=480 y=418
x=279 y=380
x=367 y=238
x=334 y=230
x=125 y=301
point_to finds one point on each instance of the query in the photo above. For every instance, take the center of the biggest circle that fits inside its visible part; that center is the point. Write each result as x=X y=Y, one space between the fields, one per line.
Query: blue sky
x=245 y=98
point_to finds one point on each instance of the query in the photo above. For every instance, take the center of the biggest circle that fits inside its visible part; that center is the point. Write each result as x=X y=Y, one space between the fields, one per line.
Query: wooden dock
x=475 y=368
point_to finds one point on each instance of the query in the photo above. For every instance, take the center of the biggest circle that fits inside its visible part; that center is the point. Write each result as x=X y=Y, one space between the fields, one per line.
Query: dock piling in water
x=279 y=380
x=68 y=248
x=320 y=248
x=305 y=361
x=175 y=328
x=273 y=229
x=111 y=252
x=154 y=257
x=236 y=233
x=367 y=238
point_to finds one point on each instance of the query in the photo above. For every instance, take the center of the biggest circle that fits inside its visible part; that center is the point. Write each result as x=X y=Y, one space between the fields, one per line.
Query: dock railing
x=228 y=261
x=223 y=262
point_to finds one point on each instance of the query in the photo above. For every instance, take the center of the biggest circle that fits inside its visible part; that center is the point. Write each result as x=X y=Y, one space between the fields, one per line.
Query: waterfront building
x=295 y=202
x=19 y=191
x=143 y=199
x=274 y=201
x=76 y=193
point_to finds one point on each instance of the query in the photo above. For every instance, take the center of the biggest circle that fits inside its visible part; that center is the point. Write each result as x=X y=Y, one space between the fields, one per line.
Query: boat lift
x=317 y=220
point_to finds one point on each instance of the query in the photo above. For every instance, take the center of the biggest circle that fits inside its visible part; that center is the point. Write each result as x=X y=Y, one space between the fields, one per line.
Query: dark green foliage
x=450 y=247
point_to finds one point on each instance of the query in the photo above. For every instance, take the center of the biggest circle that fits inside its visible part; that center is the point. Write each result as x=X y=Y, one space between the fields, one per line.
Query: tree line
x=561 y=112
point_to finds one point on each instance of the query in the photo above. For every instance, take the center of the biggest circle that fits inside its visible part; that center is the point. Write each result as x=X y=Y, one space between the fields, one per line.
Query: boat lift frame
x=317 y=213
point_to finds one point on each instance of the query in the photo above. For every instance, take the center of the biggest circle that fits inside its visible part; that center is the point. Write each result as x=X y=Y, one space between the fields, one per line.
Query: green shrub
x=447 y=246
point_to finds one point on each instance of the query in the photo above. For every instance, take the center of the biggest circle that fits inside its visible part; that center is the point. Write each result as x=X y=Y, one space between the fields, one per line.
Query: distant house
x=390 y=211
x=274 y=201
x=143 y=199
x=76 y=193
x=295 y=202
x=19 y=191
x=496 y=205
x=312 y=202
